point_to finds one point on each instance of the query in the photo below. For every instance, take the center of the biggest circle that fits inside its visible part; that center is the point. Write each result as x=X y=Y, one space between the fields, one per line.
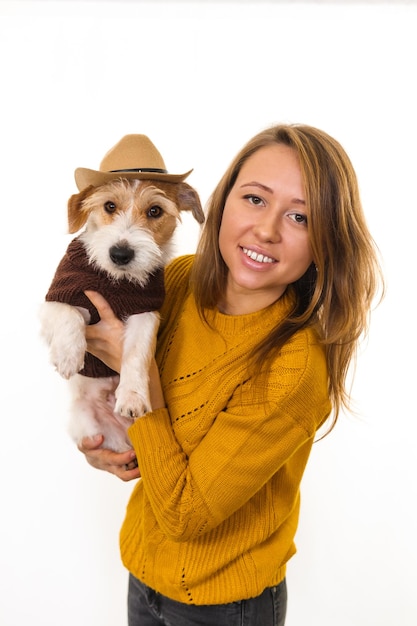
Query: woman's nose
x=267 y=228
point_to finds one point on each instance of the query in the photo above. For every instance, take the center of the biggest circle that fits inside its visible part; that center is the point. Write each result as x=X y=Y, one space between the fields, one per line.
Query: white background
x=200 y=78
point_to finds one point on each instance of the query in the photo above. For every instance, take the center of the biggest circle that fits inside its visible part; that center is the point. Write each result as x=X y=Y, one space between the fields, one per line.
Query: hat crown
x=132 y=152
x=133 y=157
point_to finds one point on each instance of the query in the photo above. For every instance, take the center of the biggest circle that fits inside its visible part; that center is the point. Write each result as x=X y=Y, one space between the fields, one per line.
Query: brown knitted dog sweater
x=75 y=274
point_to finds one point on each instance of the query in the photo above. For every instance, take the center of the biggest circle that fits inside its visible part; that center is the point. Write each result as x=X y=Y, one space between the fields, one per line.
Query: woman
x=258 y=331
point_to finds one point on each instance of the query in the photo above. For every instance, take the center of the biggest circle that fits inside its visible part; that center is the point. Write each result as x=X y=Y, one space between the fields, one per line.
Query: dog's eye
x=154 y=211
x=109 y=206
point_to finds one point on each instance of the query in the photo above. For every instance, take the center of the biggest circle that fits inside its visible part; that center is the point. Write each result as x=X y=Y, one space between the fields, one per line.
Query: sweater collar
x=252 y=322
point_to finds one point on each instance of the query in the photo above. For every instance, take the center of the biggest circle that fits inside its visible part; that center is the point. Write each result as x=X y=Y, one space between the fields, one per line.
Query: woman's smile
x=257 y=256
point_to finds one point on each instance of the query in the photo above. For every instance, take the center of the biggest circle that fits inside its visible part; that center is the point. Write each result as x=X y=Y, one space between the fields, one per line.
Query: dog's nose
x=121 y=255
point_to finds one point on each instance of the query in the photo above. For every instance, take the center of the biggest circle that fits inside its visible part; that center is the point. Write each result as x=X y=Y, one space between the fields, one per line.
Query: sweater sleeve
x=249 y=442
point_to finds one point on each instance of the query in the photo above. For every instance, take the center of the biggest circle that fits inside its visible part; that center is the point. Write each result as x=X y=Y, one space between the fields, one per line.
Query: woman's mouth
x=255 y=256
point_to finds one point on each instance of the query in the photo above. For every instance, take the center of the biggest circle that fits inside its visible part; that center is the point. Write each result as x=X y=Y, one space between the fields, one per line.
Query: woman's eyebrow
x=254 y=183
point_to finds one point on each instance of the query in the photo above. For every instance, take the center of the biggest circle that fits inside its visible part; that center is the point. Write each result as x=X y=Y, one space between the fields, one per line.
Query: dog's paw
x=67 y=361
x=130 y=403
x=63 y=328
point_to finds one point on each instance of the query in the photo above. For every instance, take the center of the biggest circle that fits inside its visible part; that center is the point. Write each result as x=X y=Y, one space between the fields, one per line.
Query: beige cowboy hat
x=134 y=156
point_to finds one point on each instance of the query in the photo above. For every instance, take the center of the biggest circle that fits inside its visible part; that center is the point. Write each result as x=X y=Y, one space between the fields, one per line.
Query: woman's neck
x=244 y=303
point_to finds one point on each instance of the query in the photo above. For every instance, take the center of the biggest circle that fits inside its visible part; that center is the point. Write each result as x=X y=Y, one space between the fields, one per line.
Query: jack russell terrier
x=128 y=211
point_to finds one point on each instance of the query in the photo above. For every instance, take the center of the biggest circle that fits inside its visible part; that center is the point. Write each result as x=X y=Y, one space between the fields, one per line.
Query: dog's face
x=129 y=224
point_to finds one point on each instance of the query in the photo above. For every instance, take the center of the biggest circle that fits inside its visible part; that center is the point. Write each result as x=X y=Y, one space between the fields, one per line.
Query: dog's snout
x=121 y=255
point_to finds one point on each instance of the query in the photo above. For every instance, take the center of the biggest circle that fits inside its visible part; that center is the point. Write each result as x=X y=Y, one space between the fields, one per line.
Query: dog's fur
x=127 y=235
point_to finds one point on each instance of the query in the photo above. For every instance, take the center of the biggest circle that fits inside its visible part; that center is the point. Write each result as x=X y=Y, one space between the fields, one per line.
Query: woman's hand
x=105 y=339
x=122 y=464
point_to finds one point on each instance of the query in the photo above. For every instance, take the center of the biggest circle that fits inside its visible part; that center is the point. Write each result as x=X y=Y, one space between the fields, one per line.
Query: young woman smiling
x=258 y=331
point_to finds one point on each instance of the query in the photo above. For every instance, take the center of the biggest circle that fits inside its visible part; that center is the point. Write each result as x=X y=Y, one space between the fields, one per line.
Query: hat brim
x=85 y=177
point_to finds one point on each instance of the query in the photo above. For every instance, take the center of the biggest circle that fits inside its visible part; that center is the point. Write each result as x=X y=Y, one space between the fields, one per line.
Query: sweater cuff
x=152 y=431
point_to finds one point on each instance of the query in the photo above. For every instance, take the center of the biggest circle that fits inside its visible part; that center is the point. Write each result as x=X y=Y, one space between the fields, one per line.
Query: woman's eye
x=109 y=206
x=154 y=211
x=299 y=218
x=255 y=200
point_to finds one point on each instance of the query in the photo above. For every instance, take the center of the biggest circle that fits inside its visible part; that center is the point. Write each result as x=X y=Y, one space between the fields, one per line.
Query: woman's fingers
x=103 y=307
x=91 y=443
x=124 y=465
x=105 y=339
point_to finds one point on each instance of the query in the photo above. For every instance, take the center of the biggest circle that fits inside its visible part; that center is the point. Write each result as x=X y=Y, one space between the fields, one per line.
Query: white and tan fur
x=137 y=218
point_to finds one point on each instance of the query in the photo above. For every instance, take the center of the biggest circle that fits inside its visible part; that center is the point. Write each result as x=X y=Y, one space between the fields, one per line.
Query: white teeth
x=257 y=257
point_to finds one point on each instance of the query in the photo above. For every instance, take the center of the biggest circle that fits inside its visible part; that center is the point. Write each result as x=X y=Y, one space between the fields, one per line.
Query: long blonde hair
x=336 y=293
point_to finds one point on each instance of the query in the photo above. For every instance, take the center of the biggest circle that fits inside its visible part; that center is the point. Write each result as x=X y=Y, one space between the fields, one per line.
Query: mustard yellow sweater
x=214 y=516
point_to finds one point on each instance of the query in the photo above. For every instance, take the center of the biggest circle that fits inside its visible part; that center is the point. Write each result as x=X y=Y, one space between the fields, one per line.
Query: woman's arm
x=248 y=443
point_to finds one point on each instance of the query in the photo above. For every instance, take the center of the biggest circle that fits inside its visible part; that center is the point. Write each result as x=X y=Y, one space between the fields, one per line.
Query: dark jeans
x=149 y=608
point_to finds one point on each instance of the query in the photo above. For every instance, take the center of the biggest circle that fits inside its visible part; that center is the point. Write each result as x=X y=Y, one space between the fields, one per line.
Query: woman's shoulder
x=305 y=346
x=177 y=284
x=302 y=358
x=179 y=269
x=300 y=373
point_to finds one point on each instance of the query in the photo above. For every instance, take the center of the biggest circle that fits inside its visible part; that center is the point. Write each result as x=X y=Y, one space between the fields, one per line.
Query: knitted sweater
x=75 y=274
x=213 y=518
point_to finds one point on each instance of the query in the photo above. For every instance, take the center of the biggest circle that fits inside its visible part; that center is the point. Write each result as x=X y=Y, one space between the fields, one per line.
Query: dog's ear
x=76 y=216
x=189 y=200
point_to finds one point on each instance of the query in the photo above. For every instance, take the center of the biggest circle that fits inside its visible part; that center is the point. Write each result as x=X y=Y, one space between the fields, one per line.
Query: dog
x=127 y=216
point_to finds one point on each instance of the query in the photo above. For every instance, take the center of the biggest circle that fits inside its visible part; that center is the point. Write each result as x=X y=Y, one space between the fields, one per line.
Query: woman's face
x=263 y=235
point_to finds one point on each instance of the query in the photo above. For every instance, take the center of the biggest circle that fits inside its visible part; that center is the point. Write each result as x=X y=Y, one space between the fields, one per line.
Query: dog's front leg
x=132 y=394
x=63 y=329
